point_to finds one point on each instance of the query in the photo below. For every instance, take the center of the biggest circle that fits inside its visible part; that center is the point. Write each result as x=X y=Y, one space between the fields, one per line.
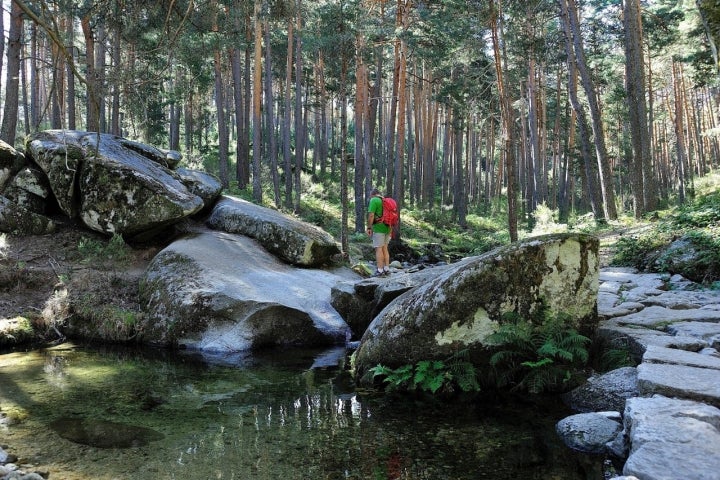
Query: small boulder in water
x=104 y=434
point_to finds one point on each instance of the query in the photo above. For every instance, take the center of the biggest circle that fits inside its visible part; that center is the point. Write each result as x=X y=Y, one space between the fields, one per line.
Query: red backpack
x=390 y=215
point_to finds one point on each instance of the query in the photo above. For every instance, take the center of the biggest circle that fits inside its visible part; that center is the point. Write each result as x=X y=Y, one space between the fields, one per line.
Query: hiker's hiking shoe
x=379 y=273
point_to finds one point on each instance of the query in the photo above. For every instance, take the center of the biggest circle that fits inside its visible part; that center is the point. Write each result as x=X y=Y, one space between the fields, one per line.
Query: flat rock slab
x=654 y=316
x=709 y=332
x=632 y=279
x=672 y=439
x=639 y=339
x=699 y=384
x=656 y=354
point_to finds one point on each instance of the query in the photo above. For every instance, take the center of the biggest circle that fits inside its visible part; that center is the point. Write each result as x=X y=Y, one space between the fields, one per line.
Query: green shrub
x=104 y=254
x=433 y=376
x=537 y=357
x=633 y=251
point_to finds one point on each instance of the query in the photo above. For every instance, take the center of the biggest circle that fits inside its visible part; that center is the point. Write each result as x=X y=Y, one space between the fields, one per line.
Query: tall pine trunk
x=12 y=79
x=257 y=99
x=507 y=120
x=223 y=140
x=270 y=119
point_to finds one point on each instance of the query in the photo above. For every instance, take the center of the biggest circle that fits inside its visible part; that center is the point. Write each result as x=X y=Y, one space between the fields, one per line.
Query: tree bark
x=93 y=105
x=299 y=129
x=270 y=119
x=257 y=99
x=590 y=166
x=642 y=182
x=223 y=140
x=12 y=78
x=287 y=119
x=507 y=119
x=241 y=153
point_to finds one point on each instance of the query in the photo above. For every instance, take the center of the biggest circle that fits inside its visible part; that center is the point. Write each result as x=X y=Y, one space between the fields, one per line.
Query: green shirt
x=375 y=207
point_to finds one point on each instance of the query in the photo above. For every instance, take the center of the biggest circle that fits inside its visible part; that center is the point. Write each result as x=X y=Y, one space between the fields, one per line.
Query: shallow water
x=287 y=415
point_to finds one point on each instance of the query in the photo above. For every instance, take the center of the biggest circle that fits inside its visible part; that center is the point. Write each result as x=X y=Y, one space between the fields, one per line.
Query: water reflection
x=280 y=415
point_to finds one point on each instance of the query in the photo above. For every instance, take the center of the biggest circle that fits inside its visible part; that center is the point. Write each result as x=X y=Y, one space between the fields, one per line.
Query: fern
x=537 y=357
x=431 y=375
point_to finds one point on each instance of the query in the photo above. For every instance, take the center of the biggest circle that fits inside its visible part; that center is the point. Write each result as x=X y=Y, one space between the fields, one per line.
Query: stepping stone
x=672 y=439
x=692 y=383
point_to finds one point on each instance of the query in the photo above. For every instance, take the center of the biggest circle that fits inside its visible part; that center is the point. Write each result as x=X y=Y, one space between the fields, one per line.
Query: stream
x=89 y=412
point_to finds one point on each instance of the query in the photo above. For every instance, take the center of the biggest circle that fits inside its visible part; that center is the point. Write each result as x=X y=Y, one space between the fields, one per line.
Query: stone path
x=672 y=429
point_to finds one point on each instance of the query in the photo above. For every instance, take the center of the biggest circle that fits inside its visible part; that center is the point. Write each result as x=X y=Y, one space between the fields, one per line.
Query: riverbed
x=83 y=412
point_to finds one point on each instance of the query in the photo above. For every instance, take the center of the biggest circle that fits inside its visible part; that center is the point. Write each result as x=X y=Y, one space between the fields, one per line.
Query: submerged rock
x=103 y=433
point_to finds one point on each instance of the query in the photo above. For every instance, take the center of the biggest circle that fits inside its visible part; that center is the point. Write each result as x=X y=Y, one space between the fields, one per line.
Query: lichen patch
x=475 y=331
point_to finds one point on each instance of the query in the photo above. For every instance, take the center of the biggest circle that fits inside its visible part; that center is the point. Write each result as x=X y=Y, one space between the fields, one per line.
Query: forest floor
x=34 y=268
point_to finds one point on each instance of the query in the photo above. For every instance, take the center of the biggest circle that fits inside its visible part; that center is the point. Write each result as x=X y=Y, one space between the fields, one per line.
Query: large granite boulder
x=360 y=302
x=463 y=306
x=11 y=162
x=294 y=241
x=20 y=221
x=111 y=184
x=29 y=189
x=219 y=292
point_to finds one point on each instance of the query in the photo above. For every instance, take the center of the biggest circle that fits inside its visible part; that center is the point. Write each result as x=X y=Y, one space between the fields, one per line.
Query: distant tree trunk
x=115 y=127
x=257 y=100
x=70 y=110
x=398 y=176
x=299 y=128
x=376 y=123
x=322 y=108
x=589 y=164
x=679 y=134
x=248 y=85
x=459 y=196
x=189 y=121
x=241 y=154
x=360 y=126
x=270 y=118
x=570 y=15
x=641 y=177
x=390 y=136
x=93 y=102
x=223 y=140
x=34 y=80
x=344 y=242
x=58 y=82
x=2 y=41
x=99 y=80
x=12 y=79
x=507 y=118
x=535 y=157
x=322 y=139
x=287 y=120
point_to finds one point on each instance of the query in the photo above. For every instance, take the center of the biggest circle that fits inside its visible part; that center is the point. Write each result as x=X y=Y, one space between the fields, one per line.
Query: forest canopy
x=600 y=106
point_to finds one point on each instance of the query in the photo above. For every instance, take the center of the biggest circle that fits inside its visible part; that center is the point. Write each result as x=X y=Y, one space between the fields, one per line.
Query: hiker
x=380 y=234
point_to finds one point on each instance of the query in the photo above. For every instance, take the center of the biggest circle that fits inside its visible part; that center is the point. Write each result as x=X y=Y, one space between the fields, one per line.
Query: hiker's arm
x=371 y=220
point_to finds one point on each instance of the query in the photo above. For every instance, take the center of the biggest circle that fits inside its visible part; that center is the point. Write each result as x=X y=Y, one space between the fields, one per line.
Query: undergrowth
x=698 y=257
x=454 y=374
x=538 y=356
